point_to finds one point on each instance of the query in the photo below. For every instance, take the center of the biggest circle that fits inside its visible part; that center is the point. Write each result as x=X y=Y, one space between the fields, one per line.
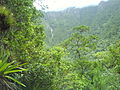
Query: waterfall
x=51 y=30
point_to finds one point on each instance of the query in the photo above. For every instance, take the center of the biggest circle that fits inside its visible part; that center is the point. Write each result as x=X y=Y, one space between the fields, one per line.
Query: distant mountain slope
x=104 y=20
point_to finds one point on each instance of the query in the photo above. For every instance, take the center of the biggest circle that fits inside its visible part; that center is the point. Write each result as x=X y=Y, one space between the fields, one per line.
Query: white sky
x=55 y=5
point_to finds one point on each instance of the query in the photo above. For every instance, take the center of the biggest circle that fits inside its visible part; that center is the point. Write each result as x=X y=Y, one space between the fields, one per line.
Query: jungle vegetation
x=73 y=49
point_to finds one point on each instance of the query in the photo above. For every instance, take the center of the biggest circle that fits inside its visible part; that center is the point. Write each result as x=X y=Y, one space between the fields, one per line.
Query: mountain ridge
x=97 y=17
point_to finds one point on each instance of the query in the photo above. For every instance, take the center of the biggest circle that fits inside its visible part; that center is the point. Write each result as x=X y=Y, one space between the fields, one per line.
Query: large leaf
x=14 y=71
x=5 y=66
x=15 y=66
x=15 y=80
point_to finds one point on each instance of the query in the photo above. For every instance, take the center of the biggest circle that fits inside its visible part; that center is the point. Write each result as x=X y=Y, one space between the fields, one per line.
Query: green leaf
x=15 y=81
x=16 y=66
x=5 y=66
x=13 y=71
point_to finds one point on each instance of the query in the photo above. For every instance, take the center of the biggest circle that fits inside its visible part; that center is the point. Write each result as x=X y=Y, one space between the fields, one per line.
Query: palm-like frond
x=7 y=68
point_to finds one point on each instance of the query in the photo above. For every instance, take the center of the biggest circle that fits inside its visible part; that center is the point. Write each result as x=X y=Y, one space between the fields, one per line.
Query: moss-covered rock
x=6 y=19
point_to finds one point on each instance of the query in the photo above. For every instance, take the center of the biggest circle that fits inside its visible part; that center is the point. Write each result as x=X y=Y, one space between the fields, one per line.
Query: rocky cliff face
x=99 y=18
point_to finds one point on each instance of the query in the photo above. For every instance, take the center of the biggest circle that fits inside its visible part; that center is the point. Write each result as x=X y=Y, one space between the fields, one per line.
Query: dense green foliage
x=78 y=62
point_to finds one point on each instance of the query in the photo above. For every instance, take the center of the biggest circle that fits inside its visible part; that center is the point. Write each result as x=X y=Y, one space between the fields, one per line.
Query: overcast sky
x=55 y=5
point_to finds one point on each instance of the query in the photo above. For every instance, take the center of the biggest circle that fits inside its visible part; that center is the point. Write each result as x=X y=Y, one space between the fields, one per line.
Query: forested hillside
x=62 y=22
x=103 y=20
x=74 y=49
